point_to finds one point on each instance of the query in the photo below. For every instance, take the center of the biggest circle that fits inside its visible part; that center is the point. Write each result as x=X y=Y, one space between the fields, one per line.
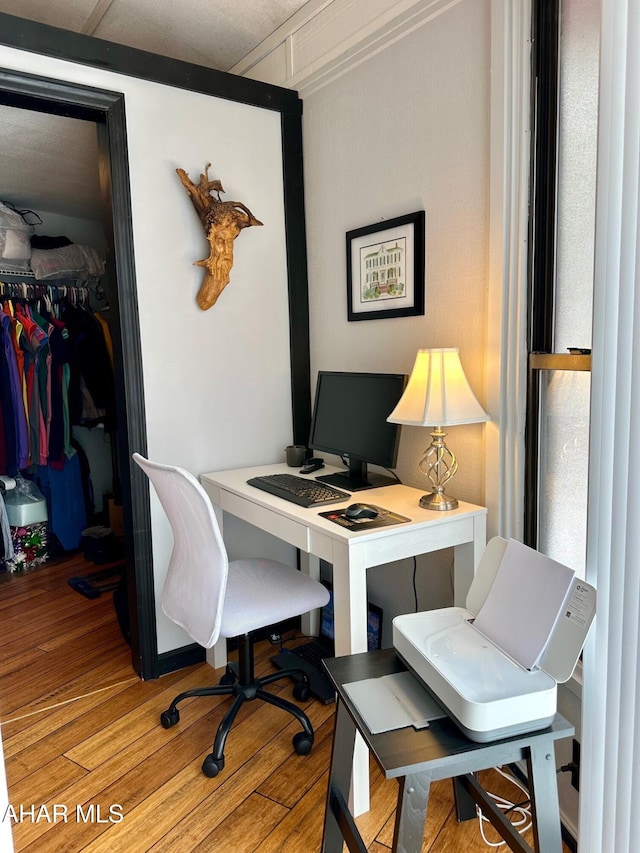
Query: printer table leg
x=465 y=804
x=338 y=822
x=411 y=813
x=543 y=789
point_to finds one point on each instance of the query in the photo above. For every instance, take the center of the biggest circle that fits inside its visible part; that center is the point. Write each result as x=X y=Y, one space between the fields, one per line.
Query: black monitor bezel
x=357 y=476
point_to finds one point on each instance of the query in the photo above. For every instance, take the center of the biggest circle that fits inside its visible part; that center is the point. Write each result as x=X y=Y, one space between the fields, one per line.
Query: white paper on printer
x=524 y=603
x=393 y=702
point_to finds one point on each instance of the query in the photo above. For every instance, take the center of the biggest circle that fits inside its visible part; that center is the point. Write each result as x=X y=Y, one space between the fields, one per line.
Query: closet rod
x=30 y=290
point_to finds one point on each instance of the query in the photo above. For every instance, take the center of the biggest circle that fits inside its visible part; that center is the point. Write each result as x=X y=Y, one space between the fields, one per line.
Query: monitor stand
x=358 y=479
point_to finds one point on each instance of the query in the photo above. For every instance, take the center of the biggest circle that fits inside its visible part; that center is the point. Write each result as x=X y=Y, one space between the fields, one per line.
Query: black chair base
x=239 y=681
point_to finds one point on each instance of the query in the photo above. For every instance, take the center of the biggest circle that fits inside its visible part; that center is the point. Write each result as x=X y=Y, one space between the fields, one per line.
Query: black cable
x=282 y=640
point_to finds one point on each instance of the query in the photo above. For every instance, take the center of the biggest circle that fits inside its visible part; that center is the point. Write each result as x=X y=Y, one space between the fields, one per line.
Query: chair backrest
x=194 y=590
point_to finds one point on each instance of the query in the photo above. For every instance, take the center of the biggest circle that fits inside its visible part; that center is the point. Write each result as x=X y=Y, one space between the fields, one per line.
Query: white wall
x=213 y=400
x=408 y=129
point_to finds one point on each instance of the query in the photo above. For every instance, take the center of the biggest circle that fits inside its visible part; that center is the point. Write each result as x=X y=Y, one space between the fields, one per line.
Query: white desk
x=351 y=553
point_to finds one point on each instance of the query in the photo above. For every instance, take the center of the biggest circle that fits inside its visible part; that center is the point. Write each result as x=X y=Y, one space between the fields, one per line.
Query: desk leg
x=217 y=656
x=349 y=601
x=310 y=565
x=411 y=813
x=350 y=625
x=543 y=789
x=339 y=777
x=466 y=560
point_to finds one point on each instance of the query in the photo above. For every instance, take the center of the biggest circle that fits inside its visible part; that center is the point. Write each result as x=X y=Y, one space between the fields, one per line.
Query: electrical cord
x=523 y=810
x=276 y=639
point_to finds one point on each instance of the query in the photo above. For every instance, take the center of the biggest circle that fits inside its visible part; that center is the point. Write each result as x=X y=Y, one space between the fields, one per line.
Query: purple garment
x=44 y=328
x=17 y=402
x=59 y=434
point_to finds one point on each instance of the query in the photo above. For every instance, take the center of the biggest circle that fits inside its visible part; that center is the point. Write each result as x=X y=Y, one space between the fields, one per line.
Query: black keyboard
x=313 y=652
x=297 y=490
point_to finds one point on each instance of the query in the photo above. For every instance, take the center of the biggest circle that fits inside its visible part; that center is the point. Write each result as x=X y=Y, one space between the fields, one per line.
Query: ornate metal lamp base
x=439 y=464
x=438 y=501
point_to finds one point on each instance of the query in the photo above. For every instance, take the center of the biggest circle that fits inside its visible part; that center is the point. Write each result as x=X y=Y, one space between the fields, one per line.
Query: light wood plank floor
x=92 y=769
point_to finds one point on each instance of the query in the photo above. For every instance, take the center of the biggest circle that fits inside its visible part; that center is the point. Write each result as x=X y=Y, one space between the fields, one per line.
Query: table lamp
x=438 y=394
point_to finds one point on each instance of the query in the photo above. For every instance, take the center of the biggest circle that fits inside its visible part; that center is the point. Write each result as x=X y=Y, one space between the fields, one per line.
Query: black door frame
x=107 y=109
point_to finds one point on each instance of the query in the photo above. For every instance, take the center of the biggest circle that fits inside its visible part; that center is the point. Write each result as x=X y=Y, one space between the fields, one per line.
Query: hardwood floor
x=89 y=767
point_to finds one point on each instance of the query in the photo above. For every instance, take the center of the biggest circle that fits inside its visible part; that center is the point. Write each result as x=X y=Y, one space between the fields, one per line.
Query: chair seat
x=262 y=592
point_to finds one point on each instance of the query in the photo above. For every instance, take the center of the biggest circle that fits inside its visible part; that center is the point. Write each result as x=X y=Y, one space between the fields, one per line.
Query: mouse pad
x=384 y=518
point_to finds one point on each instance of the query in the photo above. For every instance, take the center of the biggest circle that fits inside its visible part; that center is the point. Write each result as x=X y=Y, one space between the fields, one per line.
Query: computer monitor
x=350 y=420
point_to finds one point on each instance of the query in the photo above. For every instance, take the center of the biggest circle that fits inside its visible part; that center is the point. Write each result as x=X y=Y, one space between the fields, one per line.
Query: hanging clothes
x=35 y=347
x=16 y=391
x=6 y=542
x=66 y=506
x=15 y=330
x=9 y=452
x=91 y=389
x=60 y=430
x=56 y=372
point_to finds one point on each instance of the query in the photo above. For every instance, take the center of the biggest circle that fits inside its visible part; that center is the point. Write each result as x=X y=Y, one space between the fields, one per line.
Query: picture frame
x=386 y=268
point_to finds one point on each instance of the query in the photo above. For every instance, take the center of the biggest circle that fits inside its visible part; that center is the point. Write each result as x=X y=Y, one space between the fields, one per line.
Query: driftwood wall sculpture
x=222 y=221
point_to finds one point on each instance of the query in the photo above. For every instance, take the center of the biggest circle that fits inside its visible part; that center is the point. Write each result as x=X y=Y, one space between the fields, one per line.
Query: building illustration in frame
x=383 y=270
x=386 y=268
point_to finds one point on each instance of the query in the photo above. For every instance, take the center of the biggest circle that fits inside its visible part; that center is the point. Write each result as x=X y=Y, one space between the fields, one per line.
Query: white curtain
x=610 y=777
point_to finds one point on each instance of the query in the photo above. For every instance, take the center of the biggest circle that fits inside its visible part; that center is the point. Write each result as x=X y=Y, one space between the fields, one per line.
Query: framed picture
x=385 y=269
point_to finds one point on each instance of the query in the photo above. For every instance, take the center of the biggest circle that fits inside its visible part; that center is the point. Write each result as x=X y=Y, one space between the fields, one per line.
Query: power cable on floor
x=523 y=810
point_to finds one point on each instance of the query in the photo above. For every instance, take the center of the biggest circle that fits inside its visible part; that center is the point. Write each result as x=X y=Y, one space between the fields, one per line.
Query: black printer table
x=441 y=751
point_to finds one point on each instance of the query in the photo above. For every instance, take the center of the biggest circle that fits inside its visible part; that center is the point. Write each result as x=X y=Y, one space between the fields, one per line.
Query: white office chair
x=211 y=598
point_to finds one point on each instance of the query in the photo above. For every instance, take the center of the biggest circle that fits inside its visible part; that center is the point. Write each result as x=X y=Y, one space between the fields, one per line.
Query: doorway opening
x=106 y=109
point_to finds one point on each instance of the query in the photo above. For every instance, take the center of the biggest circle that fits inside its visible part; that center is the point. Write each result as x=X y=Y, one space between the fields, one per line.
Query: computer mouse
x=361 y=511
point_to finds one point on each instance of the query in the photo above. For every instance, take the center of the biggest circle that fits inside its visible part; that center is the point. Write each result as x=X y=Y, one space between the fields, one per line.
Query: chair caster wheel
x=212 y=766
x=169 y=718
x=302 y=743
x=301 y=691
x=230 y=676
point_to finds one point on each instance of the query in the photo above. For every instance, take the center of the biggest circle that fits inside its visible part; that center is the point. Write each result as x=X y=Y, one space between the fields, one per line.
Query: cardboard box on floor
x=116 y=522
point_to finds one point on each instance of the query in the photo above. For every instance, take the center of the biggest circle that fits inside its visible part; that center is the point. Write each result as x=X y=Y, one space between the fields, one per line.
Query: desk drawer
x=277 y=525
x=409 y=542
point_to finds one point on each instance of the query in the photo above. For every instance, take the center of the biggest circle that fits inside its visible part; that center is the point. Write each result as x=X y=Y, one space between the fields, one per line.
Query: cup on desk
x=295 y=454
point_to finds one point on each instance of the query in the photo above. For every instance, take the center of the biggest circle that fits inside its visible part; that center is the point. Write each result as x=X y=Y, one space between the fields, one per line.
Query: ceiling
x=48 y=162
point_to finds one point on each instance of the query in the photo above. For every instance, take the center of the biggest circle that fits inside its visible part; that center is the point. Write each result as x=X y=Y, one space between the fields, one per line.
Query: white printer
x=495 y=666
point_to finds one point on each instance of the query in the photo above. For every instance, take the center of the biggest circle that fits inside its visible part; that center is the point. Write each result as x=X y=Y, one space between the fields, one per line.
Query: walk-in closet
x=60 y=498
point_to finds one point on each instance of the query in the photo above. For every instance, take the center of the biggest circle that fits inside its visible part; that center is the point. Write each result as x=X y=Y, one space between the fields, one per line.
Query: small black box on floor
x=100 y=544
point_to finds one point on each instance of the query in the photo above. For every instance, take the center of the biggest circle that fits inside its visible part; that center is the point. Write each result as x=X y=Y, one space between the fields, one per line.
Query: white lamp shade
x=438 y=393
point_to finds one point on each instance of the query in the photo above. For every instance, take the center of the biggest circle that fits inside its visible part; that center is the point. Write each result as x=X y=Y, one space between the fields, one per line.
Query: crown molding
x=327 y=38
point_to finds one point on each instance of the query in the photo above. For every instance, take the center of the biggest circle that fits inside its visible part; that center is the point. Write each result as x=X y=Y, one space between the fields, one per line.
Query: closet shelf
x=13 y=277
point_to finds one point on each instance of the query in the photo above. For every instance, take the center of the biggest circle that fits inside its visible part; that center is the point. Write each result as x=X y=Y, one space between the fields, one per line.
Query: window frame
x=545 y=68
